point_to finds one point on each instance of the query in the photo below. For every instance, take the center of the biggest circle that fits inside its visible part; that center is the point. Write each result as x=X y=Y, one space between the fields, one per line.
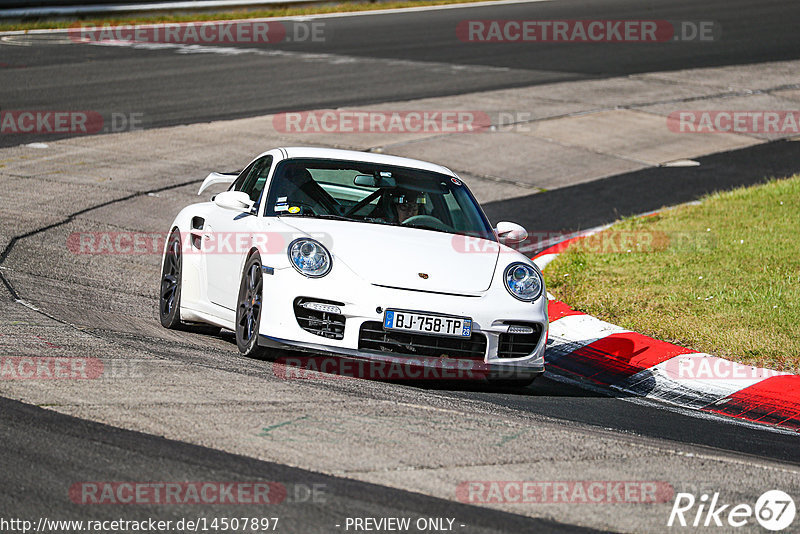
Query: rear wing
x=217 y=178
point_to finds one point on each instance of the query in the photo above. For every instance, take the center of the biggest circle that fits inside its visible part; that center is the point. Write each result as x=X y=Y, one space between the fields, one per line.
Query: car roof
x=369 y=157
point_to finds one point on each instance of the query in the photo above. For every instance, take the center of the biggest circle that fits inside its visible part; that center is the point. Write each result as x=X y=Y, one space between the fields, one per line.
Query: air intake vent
x=374 y=337
x=519 y=345
x=319 y=317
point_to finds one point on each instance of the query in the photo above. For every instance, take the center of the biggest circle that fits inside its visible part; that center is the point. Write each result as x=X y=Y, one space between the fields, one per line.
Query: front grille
x=328 y=325
x=374 y=337
x=519 y=345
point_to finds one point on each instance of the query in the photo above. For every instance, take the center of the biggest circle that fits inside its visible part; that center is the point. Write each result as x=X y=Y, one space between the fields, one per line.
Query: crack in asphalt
x=69 y=218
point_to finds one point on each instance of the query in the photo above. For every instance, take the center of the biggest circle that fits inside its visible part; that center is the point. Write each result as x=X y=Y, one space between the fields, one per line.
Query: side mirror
x=510 y=232
x=234 y=200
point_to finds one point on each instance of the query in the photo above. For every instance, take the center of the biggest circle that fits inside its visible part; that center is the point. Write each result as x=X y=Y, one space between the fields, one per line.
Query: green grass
x=721 y=277
x=345 y=7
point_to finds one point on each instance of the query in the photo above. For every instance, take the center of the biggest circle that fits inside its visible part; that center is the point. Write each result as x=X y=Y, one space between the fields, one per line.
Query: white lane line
x=414 y=9
x=372 y=12
x=332 y=59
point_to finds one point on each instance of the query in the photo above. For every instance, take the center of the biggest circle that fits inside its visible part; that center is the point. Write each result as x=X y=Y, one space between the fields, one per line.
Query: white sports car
x=357 y=254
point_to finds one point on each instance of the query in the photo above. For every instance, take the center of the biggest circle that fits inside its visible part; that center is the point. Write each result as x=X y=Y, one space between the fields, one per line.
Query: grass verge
x=291 y=11
x=721 y=277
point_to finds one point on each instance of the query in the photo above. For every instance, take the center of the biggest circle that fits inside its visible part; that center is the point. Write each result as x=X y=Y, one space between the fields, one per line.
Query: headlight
x=309 y=257
x=523 y=281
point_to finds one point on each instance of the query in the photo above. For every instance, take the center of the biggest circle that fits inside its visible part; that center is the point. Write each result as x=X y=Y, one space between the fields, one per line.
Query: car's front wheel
x=249 y=306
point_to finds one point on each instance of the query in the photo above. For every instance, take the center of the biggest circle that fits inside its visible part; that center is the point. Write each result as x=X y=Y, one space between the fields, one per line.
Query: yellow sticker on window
x=294 y=209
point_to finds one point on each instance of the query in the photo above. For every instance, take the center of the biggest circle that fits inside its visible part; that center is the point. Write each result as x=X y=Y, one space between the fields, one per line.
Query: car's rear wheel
x=169 y=303
x=249 y=306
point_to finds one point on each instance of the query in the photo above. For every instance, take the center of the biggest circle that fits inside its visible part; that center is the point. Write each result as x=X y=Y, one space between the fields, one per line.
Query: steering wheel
x=428 y=221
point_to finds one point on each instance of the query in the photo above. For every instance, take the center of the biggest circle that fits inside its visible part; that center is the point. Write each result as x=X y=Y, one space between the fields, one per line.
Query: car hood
x=407 y=258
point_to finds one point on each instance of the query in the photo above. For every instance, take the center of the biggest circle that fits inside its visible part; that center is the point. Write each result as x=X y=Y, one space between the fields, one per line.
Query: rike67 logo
x=774 y=510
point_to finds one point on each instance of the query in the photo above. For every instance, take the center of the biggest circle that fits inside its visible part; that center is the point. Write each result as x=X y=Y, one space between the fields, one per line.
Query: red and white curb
x=607 y=356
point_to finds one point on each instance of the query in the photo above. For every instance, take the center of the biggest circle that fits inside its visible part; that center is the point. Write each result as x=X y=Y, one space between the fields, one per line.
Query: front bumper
x=491 y=312
x=399 y=364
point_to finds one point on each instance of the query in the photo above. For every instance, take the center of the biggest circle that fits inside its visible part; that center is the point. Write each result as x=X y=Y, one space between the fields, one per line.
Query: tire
x=249 y=306
x=169 y=301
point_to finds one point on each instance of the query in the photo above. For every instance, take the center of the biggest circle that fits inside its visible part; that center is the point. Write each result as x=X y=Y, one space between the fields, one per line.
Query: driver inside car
x=406 y=204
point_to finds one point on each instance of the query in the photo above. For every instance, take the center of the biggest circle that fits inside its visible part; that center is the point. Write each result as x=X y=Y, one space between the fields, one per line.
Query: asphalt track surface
x=177 y=89
x=46 y=443
x=608 y=199
x=374 y=58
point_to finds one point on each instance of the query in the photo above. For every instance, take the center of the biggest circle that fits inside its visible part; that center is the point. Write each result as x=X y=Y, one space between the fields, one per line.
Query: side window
x=253 y=179
x=237 y=184
x=257 y=179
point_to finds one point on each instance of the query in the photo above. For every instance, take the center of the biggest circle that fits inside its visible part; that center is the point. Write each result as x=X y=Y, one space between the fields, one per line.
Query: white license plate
x=442 y=325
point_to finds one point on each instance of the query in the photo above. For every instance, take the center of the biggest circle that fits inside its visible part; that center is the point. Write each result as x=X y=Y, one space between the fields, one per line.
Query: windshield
x=374 y=193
